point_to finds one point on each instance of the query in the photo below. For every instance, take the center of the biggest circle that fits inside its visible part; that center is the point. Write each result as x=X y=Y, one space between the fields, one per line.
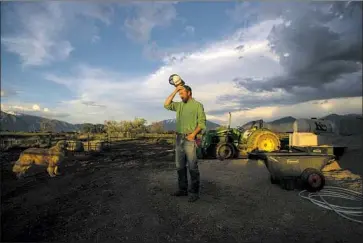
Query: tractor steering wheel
x=240 y=128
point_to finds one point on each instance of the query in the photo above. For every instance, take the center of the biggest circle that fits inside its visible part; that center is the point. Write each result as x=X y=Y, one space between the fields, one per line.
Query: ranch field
x=122 y=195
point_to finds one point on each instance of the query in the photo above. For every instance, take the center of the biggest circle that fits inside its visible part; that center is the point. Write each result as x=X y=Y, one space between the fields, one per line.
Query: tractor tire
x=312 y=180
x=263 y=140
x=225 y=151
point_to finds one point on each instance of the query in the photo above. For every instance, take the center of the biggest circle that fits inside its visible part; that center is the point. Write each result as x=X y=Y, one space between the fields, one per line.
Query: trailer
x=311 y=147
x=295 y=169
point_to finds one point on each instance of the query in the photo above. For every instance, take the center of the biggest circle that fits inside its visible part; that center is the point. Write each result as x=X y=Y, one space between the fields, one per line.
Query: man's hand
x=180 y=87
x=191 y=137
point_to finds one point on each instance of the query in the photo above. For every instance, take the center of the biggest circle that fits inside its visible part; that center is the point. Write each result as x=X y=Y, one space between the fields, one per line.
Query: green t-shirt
x=188 y=115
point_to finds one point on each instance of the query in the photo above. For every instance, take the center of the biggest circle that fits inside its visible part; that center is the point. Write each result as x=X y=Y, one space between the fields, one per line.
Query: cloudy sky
x=92 y=62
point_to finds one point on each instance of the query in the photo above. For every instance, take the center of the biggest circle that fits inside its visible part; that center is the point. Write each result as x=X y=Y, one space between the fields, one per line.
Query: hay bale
x=75 y=146
x=95 y=145
x=99 y=146
x=331 y=167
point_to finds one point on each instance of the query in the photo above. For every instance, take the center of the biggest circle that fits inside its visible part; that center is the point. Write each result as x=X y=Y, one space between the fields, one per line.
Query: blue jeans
x=186 y=156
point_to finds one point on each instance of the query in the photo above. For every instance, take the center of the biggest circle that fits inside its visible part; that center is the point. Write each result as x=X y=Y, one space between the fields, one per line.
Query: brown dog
x=51 y=158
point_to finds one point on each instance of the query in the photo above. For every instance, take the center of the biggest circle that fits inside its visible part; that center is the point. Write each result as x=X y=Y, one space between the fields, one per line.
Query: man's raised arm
x=169 y=104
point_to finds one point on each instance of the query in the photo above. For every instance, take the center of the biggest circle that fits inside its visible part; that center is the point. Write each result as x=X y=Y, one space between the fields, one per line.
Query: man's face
x=184 y=95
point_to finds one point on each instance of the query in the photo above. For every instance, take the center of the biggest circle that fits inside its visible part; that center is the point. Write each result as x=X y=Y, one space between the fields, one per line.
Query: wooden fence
x=26 y=140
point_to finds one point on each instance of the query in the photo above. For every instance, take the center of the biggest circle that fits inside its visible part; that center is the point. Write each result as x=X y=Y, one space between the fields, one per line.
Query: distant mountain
x=335 y=117
x=13 y=122
x=283 y=124
x=170 y=125
x=347 y=124
x=287 y=119
x=28 y=123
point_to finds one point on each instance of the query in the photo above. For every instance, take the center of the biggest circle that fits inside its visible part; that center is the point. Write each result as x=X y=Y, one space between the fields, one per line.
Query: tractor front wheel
x=225 y=151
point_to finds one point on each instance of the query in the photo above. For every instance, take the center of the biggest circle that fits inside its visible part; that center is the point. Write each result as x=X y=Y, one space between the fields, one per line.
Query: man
x=190 y=120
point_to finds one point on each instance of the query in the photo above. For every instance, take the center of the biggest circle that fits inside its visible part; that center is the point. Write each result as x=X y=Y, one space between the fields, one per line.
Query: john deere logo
x=292 y=161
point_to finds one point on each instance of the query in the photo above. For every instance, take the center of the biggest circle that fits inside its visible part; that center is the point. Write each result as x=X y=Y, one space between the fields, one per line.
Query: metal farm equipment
x=313 y=144
x=234 y=142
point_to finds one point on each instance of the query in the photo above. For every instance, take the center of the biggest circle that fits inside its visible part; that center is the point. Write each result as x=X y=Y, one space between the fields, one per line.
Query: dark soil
x=123 y=196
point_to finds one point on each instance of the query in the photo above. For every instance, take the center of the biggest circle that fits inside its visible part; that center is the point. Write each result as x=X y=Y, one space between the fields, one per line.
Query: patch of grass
x=24 y=134
x=155 y=135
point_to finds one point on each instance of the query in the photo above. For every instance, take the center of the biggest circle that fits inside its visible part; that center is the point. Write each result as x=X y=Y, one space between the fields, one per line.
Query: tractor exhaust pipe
x=229 y=121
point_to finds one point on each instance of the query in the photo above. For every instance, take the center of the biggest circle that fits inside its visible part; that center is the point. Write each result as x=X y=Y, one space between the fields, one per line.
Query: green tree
x=138 y=125
x=99 y=128
x=87 y=128
x=112 y=127
x=156 y=127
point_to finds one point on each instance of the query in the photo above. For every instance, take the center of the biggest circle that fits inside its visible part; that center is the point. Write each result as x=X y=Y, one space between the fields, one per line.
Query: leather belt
x=183 y=134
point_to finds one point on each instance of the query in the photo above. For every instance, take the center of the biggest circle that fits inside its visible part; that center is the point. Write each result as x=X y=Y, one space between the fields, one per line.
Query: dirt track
x=123 y=196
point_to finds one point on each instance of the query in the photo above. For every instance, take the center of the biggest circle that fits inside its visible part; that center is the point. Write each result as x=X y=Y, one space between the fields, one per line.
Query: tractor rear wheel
x=263 y=140
x=225 y=151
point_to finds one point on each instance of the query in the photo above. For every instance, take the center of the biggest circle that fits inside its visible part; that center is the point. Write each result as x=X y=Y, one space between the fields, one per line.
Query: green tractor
x=235 y=142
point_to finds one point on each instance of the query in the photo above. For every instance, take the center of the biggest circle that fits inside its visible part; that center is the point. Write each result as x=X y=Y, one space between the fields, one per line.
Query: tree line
x=138 y=125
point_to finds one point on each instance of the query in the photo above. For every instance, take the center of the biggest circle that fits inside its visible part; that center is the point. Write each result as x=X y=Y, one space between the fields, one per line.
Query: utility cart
x=313 y=144
x=295 y=168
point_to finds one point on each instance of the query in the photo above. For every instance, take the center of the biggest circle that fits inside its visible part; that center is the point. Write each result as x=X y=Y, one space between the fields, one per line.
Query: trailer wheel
x=225 y=151
x=313 y=180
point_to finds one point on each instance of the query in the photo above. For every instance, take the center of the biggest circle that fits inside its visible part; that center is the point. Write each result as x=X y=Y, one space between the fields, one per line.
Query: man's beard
x=184 y=100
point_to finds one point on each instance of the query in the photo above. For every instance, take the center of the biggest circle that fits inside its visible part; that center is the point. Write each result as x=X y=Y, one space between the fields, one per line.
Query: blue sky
x=96 y=61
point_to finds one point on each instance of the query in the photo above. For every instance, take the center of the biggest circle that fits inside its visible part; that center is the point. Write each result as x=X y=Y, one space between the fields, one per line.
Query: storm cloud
x=319 y=46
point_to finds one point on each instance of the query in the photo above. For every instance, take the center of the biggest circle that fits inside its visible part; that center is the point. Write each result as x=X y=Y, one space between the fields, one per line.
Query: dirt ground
x=123 y=196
